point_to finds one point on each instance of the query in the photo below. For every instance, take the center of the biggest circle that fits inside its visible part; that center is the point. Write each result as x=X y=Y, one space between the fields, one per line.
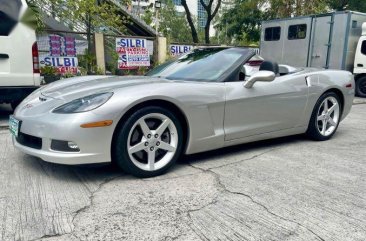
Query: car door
x=264 y=108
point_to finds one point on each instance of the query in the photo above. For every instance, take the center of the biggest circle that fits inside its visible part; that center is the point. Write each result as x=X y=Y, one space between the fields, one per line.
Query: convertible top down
x=207 y=99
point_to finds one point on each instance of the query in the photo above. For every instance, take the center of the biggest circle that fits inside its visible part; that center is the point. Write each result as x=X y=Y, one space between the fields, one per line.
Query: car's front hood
x=79 y=87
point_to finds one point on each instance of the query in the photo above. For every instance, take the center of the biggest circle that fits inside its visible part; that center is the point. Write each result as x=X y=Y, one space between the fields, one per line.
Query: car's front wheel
x=148 y=143
x=325 y=117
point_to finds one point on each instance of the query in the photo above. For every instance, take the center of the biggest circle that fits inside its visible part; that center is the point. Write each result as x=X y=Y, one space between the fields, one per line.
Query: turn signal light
x=97 y=124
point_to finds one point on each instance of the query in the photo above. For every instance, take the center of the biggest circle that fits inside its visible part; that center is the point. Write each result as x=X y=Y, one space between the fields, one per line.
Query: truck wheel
x=361 y=87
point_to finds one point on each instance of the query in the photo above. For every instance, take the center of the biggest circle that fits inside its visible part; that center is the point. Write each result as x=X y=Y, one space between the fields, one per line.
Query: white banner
x=132 y=53
x=177 y=49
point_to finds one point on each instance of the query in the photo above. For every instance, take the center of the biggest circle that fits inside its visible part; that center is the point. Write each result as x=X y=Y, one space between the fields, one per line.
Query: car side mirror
x=263 y=75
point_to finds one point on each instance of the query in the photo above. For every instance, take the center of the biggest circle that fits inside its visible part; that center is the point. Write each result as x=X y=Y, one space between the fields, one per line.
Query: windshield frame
x=246 y=54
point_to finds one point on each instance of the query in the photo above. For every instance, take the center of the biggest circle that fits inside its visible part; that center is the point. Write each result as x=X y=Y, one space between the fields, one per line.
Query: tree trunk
x=88 y=36
x=207 y=31
x=190 y=22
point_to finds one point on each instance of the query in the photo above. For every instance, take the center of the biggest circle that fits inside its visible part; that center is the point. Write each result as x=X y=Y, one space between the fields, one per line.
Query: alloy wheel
x=328 y=116
x=152 y=142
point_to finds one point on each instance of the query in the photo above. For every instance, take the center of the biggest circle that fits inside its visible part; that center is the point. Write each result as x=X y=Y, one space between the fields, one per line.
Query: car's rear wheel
x=149 y=142
x=325 y=117
x=361 y=87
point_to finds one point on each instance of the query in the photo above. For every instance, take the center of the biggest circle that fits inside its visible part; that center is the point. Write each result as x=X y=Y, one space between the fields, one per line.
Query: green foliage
x=48 y=70
x=33 y=16
x=355 y=5
x=88 y=62
x=171 y=24
x=148 y=16
x=240 y=24
x=292 y=8
x=97 y=13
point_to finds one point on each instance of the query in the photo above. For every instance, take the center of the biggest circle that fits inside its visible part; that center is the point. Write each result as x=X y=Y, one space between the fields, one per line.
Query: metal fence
x=65 y=54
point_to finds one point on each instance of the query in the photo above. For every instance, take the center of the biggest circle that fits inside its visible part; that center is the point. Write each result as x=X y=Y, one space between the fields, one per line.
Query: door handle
x=4 y=56
x=359 y=65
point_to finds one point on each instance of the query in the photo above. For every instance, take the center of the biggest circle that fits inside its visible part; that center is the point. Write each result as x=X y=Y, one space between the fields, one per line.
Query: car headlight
x=84 y=104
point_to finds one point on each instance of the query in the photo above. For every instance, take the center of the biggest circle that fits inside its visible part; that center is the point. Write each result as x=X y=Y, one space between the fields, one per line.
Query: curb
x=359 y=100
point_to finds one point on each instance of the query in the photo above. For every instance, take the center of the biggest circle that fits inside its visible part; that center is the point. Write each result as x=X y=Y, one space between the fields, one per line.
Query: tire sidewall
x=120 y=153
x=358 y=89
x=313 y=131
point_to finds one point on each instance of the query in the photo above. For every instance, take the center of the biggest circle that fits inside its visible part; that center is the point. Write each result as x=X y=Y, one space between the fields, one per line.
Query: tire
x=320 y=116
x=148 y=150
x=361 y=87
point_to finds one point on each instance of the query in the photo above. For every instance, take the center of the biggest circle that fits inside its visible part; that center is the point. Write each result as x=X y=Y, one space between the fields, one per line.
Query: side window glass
x=272 y=34
x=297 y=31
x=6 y=24
x=363 y=47
x=9 y=13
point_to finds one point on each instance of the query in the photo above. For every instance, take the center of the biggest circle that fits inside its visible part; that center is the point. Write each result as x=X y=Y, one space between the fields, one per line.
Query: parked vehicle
x=331 y=41
x=201 y=101
x=19 y=63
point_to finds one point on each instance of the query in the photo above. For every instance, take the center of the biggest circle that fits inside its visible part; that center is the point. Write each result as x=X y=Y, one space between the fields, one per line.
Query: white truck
x=19 y=62
x=331 y=41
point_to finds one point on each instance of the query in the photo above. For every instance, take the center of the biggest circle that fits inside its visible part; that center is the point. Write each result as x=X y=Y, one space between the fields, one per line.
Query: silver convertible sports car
x=207 y=99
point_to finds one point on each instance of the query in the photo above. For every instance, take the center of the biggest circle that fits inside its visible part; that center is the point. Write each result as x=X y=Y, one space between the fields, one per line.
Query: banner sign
x=176 y=49
x=62 y=64
x=62 y=46
x=133 y=53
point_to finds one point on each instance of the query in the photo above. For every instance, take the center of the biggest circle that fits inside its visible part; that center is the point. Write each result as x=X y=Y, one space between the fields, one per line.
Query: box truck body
x=324 y=41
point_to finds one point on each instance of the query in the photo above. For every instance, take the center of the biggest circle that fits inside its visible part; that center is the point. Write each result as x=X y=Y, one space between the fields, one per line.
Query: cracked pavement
x=284 y=189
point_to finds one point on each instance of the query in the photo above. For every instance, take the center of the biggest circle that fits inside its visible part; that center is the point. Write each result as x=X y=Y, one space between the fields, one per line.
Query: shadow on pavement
x=243 y=148
x=103 y=172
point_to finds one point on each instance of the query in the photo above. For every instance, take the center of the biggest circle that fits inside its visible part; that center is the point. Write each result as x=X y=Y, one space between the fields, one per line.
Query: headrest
x=269 y=66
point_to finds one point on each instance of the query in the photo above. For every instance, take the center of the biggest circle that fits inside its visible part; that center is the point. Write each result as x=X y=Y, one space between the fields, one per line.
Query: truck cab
x=360 y=64
x=19 y=62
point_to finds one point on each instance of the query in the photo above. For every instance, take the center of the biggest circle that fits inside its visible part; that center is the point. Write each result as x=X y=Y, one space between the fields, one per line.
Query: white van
x=19 y=62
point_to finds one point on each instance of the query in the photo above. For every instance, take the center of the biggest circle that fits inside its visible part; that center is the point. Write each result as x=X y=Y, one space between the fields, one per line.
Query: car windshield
x=202 y=64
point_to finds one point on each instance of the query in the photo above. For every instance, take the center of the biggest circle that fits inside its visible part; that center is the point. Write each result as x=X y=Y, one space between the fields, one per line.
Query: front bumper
x=94 y=143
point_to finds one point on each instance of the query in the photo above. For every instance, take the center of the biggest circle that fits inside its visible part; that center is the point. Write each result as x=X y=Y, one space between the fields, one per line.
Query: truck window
x=363 y=47
x=272 y=34
x=9 y=13
x=6 y=24
x=297 y=31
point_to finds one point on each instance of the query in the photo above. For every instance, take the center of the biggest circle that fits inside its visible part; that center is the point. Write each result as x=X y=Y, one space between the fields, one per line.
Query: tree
x=240 y=24
x=190 y=21
x=173 y=25
x=355 y=5
x=292 y=8
x=211 y=11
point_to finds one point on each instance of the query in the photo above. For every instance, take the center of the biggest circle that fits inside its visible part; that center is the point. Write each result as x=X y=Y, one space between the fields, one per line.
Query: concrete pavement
x=283 y=189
